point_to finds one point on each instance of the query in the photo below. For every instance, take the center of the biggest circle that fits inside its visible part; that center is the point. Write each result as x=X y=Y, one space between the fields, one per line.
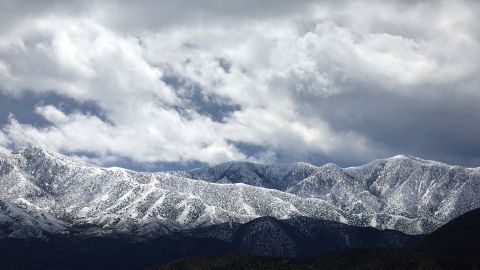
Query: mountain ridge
x=402 y=193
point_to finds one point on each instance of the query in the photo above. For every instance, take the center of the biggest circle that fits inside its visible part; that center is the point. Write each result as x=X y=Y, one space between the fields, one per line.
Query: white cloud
x=160 y=136
x=277 y=65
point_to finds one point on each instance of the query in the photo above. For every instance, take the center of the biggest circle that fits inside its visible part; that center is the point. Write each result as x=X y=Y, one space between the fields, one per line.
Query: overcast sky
x=176 y=84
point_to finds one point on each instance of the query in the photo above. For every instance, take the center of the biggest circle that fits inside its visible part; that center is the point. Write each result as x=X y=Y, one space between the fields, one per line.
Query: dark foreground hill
x=455 y=245
x=294 y=238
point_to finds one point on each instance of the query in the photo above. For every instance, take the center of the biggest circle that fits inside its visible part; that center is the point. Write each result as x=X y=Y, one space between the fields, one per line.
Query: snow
x=44 y=192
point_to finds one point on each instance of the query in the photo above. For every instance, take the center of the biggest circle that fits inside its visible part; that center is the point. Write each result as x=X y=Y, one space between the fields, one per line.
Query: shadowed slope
x=455 y=245
x=295 y=238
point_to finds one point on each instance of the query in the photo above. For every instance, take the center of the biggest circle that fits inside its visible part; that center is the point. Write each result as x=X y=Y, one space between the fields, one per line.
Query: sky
x=154 y=85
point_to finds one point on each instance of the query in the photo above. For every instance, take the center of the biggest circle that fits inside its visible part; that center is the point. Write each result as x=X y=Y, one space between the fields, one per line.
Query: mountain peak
x=36 y=152
x=330 y=165
x=416 y=159
x=33 y=151
x=274 y=176
x=400 y=156
x=39 y=155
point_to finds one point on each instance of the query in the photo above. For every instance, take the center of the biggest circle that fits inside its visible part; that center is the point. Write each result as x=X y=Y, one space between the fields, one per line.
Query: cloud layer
x=190 y=81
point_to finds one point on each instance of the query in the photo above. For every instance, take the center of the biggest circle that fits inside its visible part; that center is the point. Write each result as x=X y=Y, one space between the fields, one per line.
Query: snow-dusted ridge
x=44 y=193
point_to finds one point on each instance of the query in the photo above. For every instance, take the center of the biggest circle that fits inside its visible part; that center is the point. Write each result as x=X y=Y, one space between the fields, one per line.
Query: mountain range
x=44 y=193
x=59 y=211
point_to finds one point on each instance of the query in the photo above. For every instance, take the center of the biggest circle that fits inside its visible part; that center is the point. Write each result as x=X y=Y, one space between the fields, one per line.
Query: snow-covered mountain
x=276 y=176
x=45 y=193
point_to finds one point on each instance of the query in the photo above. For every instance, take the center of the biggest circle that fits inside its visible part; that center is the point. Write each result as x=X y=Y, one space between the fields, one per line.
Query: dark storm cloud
x=438 y=123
